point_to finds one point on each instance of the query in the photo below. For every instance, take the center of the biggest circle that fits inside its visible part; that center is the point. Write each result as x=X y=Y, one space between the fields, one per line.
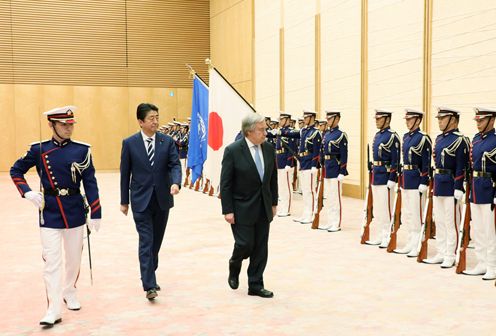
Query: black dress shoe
x=151 y=294
x=262 y=292
x=233 y=279
x=157 y=288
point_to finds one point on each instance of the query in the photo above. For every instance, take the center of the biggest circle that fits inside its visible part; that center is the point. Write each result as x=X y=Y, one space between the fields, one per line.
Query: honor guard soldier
x=482 y=197
x=334 y=159
x=451 y=151
x=417 y=150
x=272 y=125
x=182 y=146
x=62 y=165
x=292 y=123
x=322 y=126
x=308 y=154
x=285 y=151
x=386 y=159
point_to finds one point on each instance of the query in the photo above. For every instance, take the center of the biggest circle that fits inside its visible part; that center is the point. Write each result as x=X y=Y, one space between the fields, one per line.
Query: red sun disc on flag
x=215 y=131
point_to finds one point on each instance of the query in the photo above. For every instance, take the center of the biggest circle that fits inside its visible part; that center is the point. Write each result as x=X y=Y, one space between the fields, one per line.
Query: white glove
x=494 y=200
x=288 y=168
x=340 y=177
x=35 y=197
x=314 y=170
x=458 y=194
x=94 y=224
x=422 y=188
x=391 y=185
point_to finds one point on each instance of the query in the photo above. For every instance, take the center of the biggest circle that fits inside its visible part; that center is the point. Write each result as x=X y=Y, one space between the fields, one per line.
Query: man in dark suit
x=151 y=170
x=248 y=188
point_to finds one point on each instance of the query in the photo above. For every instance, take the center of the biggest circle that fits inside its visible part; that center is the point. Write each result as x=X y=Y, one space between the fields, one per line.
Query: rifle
x=461 y=252
x=206 y=186
x=425 y=231
x=368 y=205
x=295 y=176
x=320 y=200
x=197 y=184
x=396 y=220
x=188 y=172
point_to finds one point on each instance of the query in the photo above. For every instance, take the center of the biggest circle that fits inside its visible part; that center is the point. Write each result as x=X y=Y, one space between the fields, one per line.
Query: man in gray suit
x=248 y=188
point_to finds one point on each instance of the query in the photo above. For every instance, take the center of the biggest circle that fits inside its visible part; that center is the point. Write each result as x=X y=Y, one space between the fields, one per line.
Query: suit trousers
x=251 y=241
x=51 y=241
x=150 y=225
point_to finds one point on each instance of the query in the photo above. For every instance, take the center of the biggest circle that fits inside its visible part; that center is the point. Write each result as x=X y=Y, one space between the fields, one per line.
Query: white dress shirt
x=146 y=142
x=251 y=146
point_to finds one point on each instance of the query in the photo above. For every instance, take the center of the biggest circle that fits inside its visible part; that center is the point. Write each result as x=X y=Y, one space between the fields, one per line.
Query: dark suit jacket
x=241 y=190
x=139 y=177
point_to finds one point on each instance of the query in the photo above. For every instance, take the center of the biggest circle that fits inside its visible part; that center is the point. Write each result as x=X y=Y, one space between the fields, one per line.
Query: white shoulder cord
x=80 y=167
x=451 y=149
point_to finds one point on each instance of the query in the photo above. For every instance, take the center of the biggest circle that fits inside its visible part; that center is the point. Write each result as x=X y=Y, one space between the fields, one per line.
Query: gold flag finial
x=192 y=71
x=208 y=62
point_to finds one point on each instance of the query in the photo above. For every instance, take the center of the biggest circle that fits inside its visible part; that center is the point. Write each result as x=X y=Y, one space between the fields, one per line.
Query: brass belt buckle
x=63 y=192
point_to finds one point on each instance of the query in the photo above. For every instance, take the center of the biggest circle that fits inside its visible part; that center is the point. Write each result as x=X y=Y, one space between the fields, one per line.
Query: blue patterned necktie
x=258 y=163
x=150 y=151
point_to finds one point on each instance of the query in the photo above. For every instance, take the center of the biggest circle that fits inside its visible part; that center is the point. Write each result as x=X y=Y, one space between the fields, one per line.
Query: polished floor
x=324 y=283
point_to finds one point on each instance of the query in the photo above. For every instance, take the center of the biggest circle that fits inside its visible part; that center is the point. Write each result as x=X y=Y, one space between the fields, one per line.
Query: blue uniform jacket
x=309 y=148
x=386 y=149
x=182 y=145
x=61 y=165
x=284 y=157
x=140 y=179
x=334 y=152
x=483 y=160
x=450 y=153
x=417 y=149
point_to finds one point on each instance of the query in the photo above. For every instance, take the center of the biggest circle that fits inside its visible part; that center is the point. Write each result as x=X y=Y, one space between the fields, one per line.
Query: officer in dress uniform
x=292 y=123
x=308 y=153
x=182 y=145
x=417 y=149
x=272 y=124
x=386 y=159
x=334 y=158
x=285 y=162
x=482 y=196
x=62 y=165
x=451 y=151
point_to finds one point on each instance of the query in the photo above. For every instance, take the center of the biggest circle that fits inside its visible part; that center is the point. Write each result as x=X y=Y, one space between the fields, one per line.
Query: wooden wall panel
x=105 y=116
x=184 y=102
x=142 y=43
x=463 y=59
x=231 y=42
x=7 y=127
x=299 y=56
x=267 y=71
x=395 y=59
x=341 y=73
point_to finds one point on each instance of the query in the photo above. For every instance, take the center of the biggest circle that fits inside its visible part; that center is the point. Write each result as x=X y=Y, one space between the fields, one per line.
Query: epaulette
x=81 y=143
x=38 y=142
